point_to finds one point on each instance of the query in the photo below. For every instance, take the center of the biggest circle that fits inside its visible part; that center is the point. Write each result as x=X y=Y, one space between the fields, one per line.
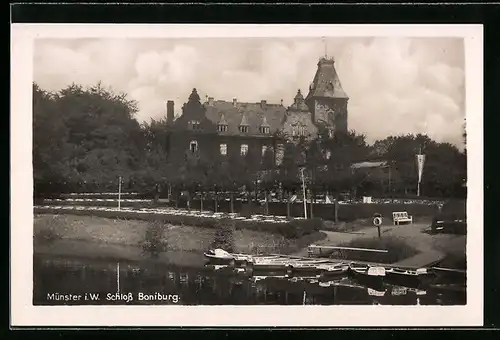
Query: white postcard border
x=23 y=313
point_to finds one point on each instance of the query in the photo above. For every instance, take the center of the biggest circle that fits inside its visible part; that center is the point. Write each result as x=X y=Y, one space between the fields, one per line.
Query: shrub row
x=292 y=229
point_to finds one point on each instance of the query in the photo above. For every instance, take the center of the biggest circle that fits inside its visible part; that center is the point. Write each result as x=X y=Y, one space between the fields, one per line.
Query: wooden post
x=119 y=191
x=267 y=202
x=232 y=203
x=216 y=202
x=201 y=201
x=336 y=210
x=177 y=200
x=287 y=205
x=312 y=202
x=249 y=197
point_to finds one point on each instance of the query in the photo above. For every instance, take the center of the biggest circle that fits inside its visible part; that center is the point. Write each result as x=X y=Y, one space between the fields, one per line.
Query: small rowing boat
x=328 y=270
x=220 y=256
x=367 y=275
x=406 y=277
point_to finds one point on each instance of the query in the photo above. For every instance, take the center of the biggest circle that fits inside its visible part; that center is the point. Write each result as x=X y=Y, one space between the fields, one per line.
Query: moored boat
x=222 y=257
x=329 y=270
x=370 y=276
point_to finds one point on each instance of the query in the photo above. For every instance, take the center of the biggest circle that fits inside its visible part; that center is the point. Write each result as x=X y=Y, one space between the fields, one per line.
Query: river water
x=60 y=280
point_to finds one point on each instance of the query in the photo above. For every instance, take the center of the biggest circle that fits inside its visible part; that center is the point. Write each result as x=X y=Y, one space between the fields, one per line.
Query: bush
x=397 y=248
x=224 y=238
x=154 y=241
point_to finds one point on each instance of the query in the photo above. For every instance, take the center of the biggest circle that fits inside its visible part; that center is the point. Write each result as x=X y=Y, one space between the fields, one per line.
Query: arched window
x=193 y=146
x=264 y=149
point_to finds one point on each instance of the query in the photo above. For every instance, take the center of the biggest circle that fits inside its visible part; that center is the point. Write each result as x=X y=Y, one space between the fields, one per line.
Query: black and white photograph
x=320 y=168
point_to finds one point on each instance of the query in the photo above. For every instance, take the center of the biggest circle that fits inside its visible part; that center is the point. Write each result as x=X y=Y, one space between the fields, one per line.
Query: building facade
x=235 y=128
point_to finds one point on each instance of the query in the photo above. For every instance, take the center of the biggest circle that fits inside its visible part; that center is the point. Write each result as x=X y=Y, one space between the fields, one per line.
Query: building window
x=193 y=146
x=264 y=149
x=299 y=130
x=244 y=149
x=195 y=125
x=244 y=128
x=264 y=129
x=223 y=149
x=222 y=127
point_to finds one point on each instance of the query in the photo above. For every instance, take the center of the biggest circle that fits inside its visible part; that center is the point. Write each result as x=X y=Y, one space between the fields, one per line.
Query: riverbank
x=125 y=239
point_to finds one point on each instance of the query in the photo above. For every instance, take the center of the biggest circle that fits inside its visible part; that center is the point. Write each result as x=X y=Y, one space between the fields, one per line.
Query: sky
x=396 y=85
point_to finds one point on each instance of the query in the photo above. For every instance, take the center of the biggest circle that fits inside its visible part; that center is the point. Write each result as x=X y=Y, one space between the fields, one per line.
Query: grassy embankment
x=132 y=238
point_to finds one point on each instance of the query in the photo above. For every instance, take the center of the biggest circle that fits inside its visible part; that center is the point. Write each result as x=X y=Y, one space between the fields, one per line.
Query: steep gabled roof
x=254 y=114
x=326 y=82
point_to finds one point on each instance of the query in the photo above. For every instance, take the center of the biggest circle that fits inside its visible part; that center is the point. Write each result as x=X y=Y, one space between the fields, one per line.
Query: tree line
x=85 y=138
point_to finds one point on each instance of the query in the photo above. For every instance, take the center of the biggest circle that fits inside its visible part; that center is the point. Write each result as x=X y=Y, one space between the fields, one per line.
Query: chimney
x=170 y=112
x=210 y=101
x=281 y=102
x=234 y=101
x=263 y=104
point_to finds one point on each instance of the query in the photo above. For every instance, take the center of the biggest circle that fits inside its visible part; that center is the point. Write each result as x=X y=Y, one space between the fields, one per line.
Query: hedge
x=292 y=229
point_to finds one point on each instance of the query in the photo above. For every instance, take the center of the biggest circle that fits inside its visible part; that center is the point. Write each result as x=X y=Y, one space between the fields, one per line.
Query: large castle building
x=234 y=128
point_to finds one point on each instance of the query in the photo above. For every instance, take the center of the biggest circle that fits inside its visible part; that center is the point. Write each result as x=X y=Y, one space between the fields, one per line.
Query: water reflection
x=202 y=286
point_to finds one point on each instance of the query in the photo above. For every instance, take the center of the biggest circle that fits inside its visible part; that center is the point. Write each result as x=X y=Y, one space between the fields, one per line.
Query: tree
x=343 y=149
x=91 y=134
x=444 y=168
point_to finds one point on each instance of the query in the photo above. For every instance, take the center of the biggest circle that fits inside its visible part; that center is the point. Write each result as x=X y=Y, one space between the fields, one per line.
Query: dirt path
x=431 y=248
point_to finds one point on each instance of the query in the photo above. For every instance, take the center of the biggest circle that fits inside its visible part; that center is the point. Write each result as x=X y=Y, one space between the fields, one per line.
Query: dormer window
x=222 y=127
x=195 y=125
x=244 y=128
x=264 y=129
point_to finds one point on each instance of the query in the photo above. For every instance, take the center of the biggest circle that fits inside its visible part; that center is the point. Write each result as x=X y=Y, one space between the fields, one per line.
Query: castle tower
x=326 y=100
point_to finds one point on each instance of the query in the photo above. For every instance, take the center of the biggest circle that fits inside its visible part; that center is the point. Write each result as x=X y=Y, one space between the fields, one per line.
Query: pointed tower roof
x=326 y=82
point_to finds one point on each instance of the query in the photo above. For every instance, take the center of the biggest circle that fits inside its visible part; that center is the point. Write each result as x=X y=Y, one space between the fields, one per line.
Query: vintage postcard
x=247 y=175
